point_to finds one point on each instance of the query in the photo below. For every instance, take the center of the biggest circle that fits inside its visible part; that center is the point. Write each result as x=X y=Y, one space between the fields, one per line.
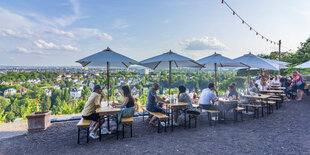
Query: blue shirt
x=151 y=100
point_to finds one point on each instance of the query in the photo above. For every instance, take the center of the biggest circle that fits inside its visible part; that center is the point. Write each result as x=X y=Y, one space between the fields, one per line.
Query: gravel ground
x=286 y=131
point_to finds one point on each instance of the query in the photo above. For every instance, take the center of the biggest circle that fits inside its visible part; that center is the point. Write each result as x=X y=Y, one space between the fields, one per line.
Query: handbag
x=299 y=83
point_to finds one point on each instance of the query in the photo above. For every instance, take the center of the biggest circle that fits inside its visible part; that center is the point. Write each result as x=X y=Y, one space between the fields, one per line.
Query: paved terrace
x=286 y=131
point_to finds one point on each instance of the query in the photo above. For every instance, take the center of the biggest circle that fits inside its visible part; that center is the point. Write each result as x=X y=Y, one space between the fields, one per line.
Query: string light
x=251 y=28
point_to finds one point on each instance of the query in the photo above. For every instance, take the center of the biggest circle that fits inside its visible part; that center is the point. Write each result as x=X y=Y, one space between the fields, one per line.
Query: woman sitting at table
x=276 y=81
x=127 y=105
x=232 y=93
x=184 y=97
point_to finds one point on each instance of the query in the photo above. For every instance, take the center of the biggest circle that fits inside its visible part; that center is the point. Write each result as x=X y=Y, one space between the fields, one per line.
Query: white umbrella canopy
x=169 y=60
x=107 y=58
x=304 y=65
x=254 y=61
x=277 y=63
x=217 y=60
x=163 y=61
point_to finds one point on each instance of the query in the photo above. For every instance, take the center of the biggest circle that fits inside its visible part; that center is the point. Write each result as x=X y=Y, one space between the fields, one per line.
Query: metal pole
x=108 y=82
x=279 y=55
x=169 y=77
x=215 y=82
x=248 y=86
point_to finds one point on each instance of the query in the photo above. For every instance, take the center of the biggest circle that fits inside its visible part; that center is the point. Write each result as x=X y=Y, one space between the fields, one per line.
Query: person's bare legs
x=176 y=116
x=96 y=126
x=301 y=93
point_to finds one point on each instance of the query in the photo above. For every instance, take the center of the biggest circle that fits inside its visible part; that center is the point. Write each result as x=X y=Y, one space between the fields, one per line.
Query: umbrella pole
x=248 y=85
x=215 y=82
x=108 y=82
x=169 y=77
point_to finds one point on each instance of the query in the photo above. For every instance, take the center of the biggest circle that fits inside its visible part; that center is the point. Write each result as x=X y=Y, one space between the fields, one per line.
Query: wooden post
x=169 y=77
x=108 y=82
x=279 y=55
x=215 y=81
x=248 y=86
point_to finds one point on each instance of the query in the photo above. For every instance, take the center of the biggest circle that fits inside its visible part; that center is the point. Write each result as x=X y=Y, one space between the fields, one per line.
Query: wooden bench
x=238 y=110
x=83 y=124
x=210 y=114
x=256 y=108
x=161 y=118
x=127 y=121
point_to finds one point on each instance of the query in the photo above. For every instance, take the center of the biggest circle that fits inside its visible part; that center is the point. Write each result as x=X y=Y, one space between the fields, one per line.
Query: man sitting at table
x=151 y=104
x=89 y=111
x=207 y=96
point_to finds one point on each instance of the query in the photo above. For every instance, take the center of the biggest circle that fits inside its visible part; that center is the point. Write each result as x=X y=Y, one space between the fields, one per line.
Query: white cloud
x=204 y=43
x=64 y=33
x=26 y=51
x=89 y=32
x=42 y=44
x=12 y=33
x=120 y=24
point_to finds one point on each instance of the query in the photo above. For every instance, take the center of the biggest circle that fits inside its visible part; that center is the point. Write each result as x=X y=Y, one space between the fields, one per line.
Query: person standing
x=89 y=111
x=263 y=81
x=299 y=84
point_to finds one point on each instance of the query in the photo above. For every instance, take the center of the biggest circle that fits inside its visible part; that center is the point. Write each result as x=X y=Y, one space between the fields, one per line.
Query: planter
x=38 y=120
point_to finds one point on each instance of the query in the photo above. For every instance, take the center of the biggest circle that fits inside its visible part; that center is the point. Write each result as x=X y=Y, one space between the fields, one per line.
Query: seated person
x=232 y=93
x=151 y=103
x=207 y=96
x=184 y=97
x=128 y=104
x=89 y=111
x=276 y=81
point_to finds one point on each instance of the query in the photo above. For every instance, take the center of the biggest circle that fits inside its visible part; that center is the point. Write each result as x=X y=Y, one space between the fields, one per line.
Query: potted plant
x=38 y=120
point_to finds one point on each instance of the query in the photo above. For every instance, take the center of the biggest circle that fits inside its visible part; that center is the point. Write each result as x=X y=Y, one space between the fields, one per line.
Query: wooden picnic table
x=277 y=88
x=222 y=100
x=106 y=110
x=174 y=106
x=262 y=97
x=272 y=91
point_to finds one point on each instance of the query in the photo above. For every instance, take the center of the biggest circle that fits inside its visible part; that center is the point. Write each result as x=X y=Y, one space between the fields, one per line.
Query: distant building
x=144 y=71
x=76 y=92
x=23 y=90
x=48 y=92
x=12 y=91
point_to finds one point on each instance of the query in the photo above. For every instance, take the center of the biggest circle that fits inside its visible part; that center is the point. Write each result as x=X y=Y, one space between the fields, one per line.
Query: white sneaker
x=91 y=128
x=175 y=124
x=105 y=131
x=93 y=135
x=162 y=124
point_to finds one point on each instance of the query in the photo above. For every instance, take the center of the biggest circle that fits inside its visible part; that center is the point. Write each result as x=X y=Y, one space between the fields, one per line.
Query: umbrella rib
x=124 y=64
x=86 y=64
x=176 y=64
x=157 y=64
x=202 y=66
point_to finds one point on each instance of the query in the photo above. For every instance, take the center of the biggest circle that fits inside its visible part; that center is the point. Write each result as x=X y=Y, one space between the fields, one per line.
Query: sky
x=60 y=32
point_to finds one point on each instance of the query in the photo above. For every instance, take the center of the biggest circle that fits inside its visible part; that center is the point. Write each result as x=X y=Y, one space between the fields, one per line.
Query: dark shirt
x=233 y=92
x=151 y=101
x=131 y=103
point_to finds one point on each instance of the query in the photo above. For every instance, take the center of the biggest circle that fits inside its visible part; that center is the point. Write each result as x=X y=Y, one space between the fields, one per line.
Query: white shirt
x=275 y=81
x=206 y=96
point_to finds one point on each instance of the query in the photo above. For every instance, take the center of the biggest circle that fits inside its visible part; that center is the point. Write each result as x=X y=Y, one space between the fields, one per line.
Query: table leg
x=171 y=119
x=117 y=126
x=185 y=119
x=108 y=123
x=99 y=128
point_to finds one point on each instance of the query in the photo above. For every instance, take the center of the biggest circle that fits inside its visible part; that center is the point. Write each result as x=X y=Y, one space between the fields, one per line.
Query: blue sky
x=59 y=32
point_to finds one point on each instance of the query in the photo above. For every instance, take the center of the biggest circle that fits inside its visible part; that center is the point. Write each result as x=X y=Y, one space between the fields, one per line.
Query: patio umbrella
x=169 y=60
x=277 y=63
x=219 y=61
x=107 y=58
x=254 y=61
x=304 y=65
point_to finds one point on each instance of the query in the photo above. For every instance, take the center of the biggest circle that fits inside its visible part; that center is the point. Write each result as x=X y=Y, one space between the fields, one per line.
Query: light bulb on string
x=267 y=40
x=256 y=33
x=243 y=22
x=222 y=1
x=234 y=13
x=262 y=37
x=250 y=28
